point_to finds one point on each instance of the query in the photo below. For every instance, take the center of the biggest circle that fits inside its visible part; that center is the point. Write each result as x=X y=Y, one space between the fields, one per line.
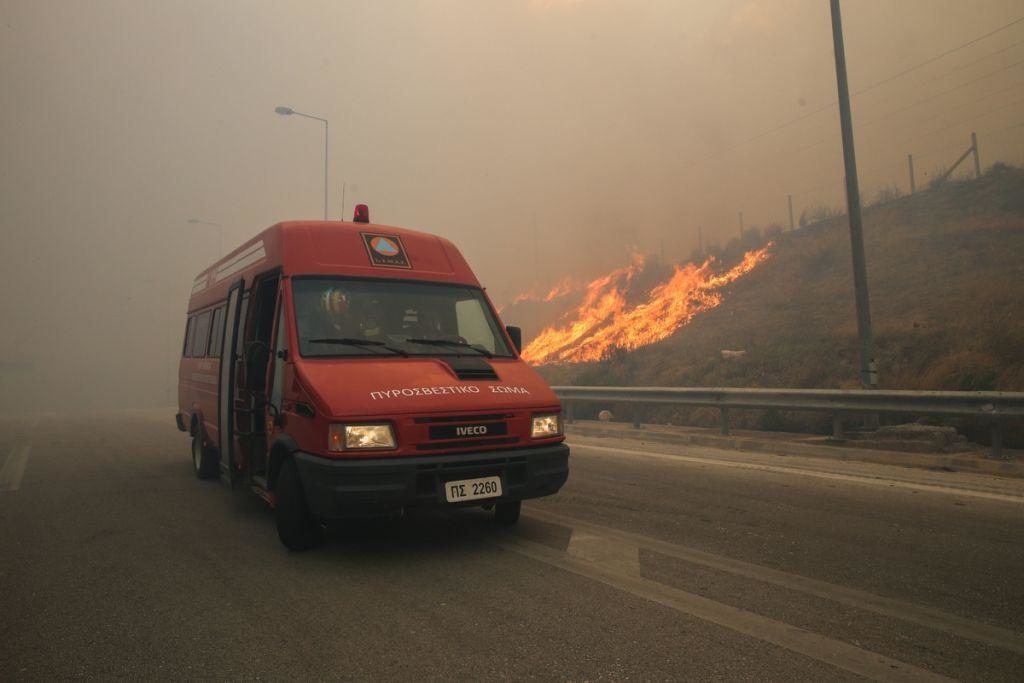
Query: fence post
x=838 y=427
x=997 y=440
x=637 y=410
x=568 y=411
x=725 y=421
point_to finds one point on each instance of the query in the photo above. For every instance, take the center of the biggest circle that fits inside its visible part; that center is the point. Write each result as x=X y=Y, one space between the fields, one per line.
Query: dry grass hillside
x=946 y=278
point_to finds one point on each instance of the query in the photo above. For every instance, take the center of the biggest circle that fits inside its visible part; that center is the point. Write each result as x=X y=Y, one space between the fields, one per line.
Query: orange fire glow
x=604 y=320
x=565 y=286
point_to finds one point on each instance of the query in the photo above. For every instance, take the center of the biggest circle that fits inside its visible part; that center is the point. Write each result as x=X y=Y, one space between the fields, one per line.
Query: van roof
x=332 y=248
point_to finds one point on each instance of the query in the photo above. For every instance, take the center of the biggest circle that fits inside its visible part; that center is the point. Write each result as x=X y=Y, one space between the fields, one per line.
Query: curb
x=953 y=462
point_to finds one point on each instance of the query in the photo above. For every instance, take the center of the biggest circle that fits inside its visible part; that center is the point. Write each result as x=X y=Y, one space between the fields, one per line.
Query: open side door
x=226 y=388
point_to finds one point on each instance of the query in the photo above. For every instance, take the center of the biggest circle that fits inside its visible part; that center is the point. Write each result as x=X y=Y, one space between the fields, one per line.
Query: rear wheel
x=296 y=528
x=204 y=459
x=507 y=514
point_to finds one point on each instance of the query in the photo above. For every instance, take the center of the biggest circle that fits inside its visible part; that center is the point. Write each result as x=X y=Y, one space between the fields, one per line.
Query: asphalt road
x=655 y=562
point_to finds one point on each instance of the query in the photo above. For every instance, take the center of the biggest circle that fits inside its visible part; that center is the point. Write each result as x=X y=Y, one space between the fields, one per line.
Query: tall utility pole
x=789 y=198
x=741 y=225
x=868 y=372
x=910 y=165
x=977 y=161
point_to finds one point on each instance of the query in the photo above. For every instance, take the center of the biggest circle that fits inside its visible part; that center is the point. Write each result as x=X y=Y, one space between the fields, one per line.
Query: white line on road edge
x=14 y=468
x=852 y=597
x=609 y=552
x=832 y=652
x=873 y=481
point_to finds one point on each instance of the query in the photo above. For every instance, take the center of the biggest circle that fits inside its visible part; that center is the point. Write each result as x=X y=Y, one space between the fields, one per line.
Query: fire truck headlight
x=546 y=425
x=352 y=437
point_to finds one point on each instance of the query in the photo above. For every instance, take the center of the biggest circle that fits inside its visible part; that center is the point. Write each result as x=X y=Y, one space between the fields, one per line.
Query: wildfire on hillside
x=605 y=320
x=566 y=285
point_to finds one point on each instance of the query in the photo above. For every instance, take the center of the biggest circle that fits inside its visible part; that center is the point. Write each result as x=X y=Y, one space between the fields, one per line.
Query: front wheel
x=204 y=459
x=297 y=529
x=507 y=514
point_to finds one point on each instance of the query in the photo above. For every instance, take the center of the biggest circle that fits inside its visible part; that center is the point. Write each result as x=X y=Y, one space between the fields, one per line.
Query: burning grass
x=947 y=295
x=607 y=320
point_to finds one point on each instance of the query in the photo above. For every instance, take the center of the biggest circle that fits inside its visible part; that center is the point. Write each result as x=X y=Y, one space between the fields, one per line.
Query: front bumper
x=340 y=489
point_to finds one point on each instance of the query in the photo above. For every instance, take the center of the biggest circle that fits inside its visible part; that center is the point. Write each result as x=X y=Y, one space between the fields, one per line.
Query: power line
x=890 y=79
x=944 y=92
x=871 y=122
x=988 y=56
x=956 y=87
x=836 y=182
x=939 y=56
x=930 y=151
x=867 y=88
x=974 y=117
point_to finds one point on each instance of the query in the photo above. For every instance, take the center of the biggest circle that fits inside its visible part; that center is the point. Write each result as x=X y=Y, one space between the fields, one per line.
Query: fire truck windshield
x=350 y=317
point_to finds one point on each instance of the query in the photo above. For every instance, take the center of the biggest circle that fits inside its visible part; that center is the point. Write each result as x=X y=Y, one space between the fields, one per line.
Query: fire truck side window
x=202 y=335
x=217 y=333
x=190 y=333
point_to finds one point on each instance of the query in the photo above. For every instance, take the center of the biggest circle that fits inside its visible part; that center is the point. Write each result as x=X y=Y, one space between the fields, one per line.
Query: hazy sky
x=543 y=137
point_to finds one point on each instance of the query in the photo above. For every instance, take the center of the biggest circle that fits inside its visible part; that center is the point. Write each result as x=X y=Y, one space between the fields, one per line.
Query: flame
x=566 y=285
x=604 y=320
x=569 y=285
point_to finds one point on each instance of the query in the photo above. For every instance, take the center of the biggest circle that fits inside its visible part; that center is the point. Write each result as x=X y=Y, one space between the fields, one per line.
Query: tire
x=204 y=459
x=507 y=514
x=296 y=528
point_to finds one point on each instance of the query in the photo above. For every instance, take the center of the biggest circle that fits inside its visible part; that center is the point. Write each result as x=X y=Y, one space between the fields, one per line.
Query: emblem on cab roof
x=386 y=251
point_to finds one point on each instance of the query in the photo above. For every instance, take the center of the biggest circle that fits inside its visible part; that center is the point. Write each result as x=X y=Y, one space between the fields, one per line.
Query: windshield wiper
x=452 y=342
x=353 y=341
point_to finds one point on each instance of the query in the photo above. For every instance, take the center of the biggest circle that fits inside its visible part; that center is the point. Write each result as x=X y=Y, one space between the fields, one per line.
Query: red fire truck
x=346 y=369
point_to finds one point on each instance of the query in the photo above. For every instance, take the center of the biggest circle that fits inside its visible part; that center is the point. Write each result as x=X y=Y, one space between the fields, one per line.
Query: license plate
x=472 y=489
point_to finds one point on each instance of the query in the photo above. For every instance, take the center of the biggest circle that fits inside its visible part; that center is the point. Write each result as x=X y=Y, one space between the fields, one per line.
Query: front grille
x=472 y=464
x=438 y=445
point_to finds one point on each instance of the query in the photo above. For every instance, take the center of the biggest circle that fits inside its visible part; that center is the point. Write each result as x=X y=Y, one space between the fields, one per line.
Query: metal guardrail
x=993 y=407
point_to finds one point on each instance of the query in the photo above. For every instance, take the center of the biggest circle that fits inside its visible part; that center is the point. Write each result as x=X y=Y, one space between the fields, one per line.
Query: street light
x=288 y=111
x=220 y=232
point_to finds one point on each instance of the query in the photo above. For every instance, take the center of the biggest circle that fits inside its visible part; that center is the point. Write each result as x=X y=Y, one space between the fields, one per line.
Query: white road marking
x=872 y=481
x=14 y=468
x=924 y=616
x=833 y=652
x=613 y=553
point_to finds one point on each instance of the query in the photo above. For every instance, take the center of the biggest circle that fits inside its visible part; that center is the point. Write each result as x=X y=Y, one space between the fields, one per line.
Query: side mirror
x=517 y=337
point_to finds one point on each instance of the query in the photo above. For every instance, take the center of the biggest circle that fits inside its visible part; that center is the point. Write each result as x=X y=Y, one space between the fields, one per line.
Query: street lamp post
x=220 y=232
x=288 y=111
